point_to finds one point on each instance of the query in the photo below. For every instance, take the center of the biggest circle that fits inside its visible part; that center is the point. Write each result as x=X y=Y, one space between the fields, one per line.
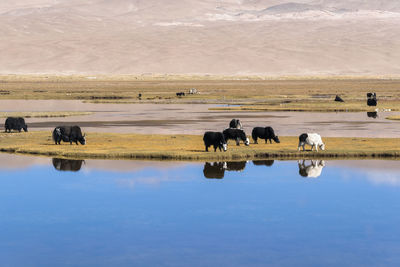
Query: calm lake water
x=121 y=213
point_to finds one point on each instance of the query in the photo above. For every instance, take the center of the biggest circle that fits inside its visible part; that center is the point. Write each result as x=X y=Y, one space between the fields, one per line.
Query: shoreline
x=191 y=148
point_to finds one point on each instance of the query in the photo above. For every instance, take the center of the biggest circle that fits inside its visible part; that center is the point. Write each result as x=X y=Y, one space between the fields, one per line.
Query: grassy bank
x=394 y=118
x=190 y=147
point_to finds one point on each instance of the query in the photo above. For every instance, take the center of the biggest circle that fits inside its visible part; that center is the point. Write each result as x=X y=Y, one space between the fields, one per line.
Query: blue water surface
x=173 y=216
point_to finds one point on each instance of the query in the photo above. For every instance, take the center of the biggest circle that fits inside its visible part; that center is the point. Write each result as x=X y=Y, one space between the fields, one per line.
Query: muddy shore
x=197 y=118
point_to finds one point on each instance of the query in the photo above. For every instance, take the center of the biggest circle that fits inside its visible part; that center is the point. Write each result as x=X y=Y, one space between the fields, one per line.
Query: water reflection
x=373 y=114
x=67 y=164
x=268 y=163
x=216 y=170
x=148 y=213
x=236 y=165
x=312 y=170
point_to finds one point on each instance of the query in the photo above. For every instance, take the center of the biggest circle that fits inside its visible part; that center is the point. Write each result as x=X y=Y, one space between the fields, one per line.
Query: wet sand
x=195 y=119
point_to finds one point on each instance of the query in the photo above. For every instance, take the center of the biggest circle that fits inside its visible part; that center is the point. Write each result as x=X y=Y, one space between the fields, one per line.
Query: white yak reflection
x=312 y=170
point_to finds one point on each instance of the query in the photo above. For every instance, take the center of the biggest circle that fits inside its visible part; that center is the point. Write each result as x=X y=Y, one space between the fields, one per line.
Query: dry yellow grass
x=42 y=114
x=394 y=117
x=303 y=94
x=190 y=147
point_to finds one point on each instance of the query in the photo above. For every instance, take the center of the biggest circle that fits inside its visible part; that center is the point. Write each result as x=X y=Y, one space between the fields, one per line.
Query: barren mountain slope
x=269 y=37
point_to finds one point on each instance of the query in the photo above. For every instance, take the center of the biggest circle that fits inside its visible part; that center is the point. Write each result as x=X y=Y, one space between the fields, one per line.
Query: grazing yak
x=192 y=91
x=371 y=99
x=214 y=170
x=17 y=123
x=68 y=134
x=235 y=124
x=263 y=162
x=67 y=164
x=215 y=139
x=179 y=94
x=338 y=99
x=312 y=139
x=266 y=133
x=311 y=171
x=237 y=135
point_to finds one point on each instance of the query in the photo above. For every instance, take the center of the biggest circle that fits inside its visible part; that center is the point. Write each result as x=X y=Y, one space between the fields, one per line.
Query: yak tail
x=56 y=133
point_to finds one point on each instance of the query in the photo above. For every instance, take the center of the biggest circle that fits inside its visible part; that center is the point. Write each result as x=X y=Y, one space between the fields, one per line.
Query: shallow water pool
x=129 y=213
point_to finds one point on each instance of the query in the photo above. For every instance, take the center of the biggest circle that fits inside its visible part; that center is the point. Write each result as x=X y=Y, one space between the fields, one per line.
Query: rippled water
x=131 y=213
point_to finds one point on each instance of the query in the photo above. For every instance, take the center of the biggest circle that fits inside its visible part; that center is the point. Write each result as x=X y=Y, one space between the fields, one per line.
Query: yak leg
x=270 y=141
x=237 y=142
x=215 y=148
x=255 y=140
x=206 y=148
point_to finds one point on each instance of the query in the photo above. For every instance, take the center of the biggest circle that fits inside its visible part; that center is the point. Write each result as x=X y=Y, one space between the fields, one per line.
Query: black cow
x=215 y=139
x=266 y=133
x=180 y=94
x=15 y=123
x=235 y=124
x=67 y=164
x=237 y=135
x=68 y=134
x=263 y=162
x=214 y=170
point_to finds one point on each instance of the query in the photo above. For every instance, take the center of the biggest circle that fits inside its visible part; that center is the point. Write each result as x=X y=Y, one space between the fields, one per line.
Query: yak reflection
x=373 y=114
x=312 y=170
x=216 y=170
x=268 y=163
x=67 y=164
x=235 y=165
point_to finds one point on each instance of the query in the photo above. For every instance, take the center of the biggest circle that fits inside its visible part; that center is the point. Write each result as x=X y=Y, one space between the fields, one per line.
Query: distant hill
x=268 y=37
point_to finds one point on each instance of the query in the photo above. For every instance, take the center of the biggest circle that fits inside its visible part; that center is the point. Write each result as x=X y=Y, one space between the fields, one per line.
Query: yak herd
x=71 y=134
x=219 y=140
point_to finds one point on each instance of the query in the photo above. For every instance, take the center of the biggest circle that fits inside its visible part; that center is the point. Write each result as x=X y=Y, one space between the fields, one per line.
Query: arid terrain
x=111 y=104
x=259 y=37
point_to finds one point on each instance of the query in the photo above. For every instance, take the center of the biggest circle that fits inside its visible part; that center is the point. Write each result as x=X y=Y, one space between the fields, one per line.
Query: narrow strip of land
x=190 y=147
x=44 y=114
